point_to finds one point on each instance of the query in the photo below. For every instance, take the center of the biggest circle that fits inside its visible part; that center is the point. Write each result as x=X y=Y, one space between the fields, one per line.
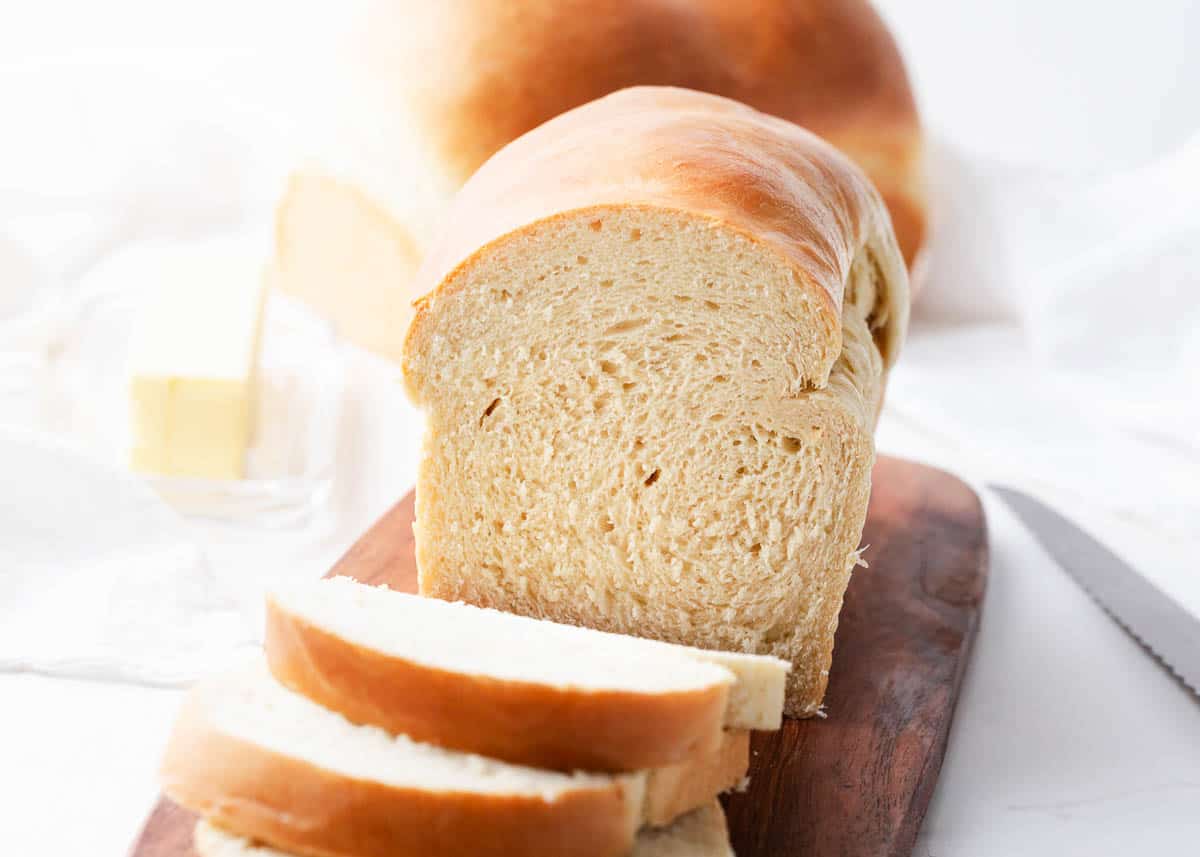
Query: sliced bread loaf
x=700 y=833
x=505 y=686
x=651 y=352
x=270 y=764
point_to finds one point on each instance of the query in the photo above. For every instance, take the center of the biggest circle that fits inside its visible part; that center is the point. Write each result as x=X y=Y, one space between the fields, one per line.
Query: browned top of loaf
x=684 y=151
x=483 y=72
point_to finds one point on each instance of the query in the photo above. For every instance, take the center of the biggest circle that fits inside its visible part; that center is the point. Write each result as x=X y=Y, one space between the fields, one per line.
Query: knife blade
x=1155 y=620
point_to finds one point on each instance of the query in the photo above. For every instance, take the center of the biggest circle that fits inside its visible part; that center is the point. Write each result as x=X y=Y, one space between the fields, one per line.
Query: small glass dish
x=84 y=399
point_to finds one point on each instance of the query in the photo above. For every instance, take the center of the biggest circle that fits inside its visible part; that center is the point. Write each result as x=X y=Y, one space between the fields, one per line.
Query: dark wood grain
x=857 y=783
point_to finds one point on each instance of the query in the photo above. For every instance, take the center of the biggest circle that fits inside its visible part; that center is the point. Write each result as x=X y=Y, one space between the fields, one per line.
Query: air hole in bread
x=721 y=379
x=487 y=412
x=790 y=444
x=635 y=235
x=626 y=326
x=608 y=367
x=652 y=478
x=582 y=260
x=626 y=386
x=778 y=632
x=713 y=305
x=596 y=225
x=606 y=284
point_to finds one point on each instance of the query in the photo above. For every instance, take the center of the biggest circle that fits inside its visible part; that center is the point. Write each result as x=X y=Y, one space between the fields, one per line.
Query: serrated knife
x=1169 y=632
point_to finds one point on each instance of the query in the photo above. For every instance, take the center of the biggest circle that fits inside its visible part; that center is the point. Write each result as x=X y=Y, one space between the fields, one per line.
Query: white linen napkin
x=99 y=578
x=1058 y=348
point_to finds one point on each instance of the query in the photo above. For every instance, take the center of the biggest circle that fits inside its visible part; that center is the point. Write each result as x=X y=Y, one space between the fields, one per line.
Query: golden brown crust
x=519 y=722
x=828 y=65
x=685 y=151
x=306 y=810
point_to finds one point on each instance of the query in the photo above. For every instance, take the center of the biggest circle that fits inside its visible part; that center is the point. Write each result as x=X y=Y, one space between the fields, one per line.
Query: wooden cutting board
x=857 y=783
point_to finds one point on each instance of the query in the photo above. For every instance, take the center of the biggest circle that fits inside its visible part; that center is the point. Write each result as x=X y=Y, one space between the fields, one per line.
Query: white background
x=1068 y=740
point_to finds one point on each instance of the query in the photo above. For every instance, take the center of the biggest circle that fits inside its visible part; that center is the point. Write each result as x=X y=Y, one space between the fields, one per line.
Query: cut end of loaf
x=534 y=272
x=643 y=421
x=346 y=257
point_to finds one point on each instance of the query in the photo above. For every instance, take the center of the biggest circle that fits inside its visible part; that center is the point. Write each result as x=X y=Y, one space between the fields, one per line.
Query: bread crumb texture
x=622 y=434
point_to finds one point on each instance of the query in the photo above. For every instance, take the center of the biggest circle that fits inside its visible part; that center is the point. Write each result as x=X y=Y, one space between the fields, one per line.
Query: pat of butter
x=193 y=366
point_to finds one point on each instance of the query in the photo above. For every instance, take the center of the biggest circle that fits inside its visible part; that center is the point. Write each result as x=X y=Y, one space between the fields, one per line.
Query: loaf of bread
x=651 y=354
x=261 y=761
x=700 y=833
x=505 y=686
x=434 y=89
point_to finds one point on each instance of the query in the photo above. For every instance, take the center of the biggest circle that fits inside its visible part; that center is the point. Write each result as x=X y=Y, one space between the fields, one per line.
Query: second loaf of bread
x=651 y=356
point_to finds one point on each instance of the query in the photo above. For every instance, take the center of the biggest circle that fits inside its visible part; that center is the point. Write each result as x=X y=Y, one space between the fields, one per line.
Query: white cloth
x=1058 y=347
x=99 y=578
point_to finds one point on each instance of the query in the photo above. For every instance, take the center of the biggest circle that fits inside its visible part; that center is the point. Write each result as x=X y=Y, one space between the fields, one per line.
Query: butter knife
x=1159 y=624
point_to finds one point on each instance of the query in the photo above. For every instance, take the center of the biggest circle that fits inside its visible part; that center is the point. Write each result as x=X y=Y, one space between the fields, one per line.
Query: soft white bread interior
x=651 y=353
x=700 y=833
x=504 y=686
x=270 y=764
x=423 y=93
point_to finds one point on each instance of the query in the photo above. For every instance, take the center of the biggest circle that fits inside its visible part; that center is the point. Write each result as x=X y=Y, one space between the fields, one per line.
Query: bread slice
x=272 y=765
x=700 y=833
x=651 y=352
x=504 y=686
x=677 y=789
